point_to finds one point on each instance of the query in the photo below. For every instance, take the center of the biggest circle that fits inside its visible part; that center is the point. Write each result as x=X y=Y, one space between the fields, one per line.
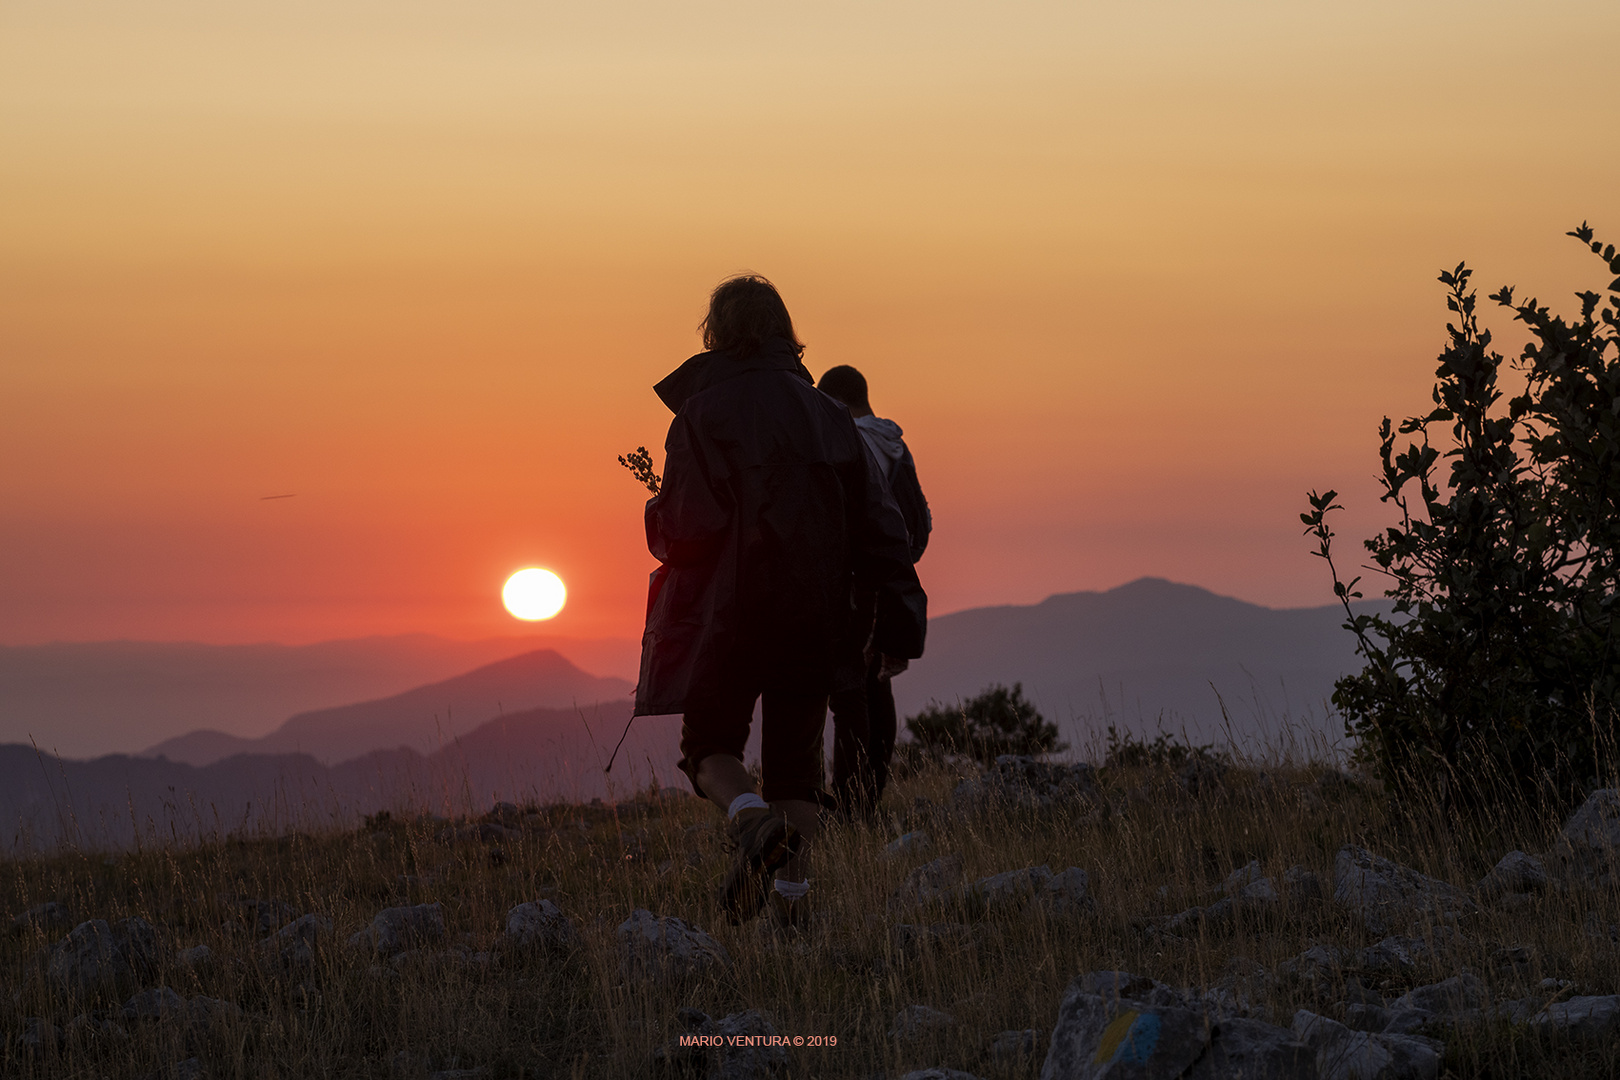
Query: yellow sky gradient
x=1132 y=277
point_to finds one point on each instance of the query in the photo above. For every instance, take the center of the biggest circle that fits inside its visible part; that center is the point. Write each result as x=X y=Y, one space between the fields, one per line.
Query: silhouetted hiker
x=864 y=719
x=771 y=512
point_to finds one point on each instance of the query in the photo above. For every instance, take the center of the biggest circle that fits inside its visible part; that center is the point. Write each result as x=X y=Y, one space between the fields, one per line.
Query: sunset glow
x=1132 y=277
x=534 y=594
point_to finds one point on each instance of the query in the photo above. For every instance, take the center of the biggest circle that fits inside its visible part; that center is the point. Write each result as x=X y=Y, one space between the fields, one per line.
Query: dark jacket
x=771 y=512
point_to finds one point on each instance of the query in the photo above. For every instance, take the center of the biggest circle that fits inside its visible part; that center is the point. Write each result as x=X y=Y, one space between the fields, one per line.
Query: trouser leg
x=791 y=765
x=881 y=725
x=713 y=735
x=851 y=740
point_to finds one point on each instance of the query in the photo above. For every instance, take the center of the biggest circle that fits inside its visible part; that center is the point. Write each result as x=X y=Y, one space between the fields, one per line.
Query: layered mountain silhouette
x=1146 y=656
x=425 y=719
x=86 y=698
x=530 y=756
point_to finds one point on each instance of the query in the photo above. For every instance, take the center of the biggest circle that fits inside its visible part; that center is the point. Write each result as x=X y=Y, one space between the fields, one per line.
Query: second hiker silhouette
x=864 y=721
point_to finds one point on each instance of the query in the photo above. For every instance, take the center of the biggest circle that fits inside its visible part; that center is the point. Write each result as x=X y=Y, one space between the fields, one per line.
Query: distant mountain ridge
x=1146 y=654
x=422 y=720
x=534 y=755
x=82 y=699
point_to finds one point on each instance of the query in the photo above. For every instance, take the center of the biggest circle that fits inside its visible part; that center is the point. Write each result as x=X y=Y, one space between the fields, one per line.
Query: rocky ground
x=1027 y=919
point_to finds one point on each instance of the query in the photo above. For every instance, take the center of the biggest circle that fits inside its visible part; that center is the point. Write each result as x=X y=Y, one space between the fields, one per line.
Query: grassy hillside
x=1153 y=843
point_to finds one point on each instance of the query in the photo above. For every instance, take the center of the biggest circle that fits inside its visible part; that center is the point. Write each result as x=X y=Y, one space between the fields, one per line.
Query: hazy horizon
x=542 y=639
x=1144 y=639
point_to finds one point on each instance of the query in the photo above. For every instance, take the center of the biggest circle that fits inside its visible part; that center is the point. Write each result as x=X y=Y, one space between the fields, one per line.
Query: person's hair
x=744 y=312
x=847 y=385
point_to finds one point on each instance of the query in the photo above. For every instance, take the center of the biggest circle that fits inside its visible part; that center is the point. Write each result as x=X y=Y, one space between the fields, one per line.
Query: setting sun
x=534 y=594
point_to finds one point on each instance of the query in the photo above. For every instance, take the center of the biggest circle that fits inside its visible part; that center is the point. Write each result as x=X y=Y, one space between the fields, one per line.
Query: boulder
x=160 y=1003
x=1065 y=893
x=912 y=843
x=204 y=1012
x=1596 y=824
x=1069 y=892
x=1097 y=1037
x=928 y=882
x=1257 y=893
x=1363 y=1016
x=1398 y=953
x=1393 y=953
x=1516 y=875
x=1316 y=964
x=668 y=947
x=1027 y=783
x=1343 y=1054
x=1253 y=897
x=1449 y=999
x=1242 y=990
x=45 y=918
x=262 y=916
x=1581 y=1017
x=540 y=925
x=1514 y=960
x=195 y=957
x=294 y=944
x=1243 y=875
x=1117 y=1024
x=98 y=956
x=712 y=1048
x=1251 y=1048
x=1005 y=889
x=1009 y=1048
x=915 y=1021
x=396 y=929
x=1117 y=985
x=1384 y=894
x=1303 y=886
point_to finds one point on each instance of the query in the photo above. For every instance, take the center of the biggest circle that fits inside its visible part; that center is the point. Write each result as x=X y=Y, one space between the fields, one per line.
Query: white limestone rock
x=667 y=947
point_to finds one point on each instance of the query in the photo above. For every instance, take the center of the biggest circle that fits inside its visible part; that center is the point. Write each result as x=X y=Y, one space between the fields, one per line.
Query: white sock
x=793 y=890
x=749 y=801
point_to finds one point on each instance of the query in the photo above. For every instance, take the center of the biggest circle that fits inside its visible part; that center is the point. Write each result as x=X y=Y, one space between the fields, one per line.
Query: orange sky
x=1133 y=276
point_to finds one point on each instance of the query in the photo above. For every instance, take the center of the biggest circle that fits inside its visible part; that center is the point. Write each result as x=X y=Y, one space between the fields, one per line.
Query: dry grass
x=1150 y=850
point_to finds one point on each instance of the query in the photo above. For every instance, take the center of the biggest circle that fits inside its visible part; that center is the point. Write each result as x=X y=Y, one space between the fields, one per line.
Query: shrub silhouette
x=1501 y=665
x=1127 y=751
x=998 y=721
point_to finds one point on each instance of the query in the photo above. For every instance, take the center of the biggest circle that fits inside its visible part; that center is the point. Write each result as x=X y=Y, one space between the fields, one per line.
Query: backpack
x=908 y=494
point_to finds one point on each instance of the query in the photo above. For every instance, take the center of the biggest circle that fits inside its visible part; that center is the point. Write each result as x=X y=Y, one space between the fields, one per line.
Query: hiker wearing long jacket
x=771 y=514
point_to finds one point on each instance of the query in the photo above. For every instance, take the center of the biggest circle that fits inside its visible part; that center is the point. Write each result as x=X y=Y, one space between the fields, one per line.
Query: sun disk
x=534 y=594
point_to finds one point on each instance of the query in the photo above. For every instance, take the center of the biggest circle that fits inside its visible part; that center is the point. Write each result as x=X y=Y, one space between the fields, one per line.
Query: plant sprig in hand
x=640 y=464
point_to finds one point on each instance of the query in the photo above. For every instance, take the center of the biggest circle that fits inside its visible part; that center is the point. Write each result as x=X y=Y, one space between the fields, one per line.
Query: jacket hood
x=708 y=369
x=883 y=438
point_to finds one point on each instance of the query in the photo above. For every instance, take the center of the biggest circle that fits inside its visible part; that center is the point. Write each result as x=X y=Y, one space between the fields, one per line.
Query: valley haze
x=1147 y=656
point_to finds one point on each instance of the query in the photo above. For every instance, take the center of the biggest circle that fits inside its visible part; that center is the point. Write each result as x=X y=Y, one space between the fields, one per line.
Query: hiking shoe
x=764 y=843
